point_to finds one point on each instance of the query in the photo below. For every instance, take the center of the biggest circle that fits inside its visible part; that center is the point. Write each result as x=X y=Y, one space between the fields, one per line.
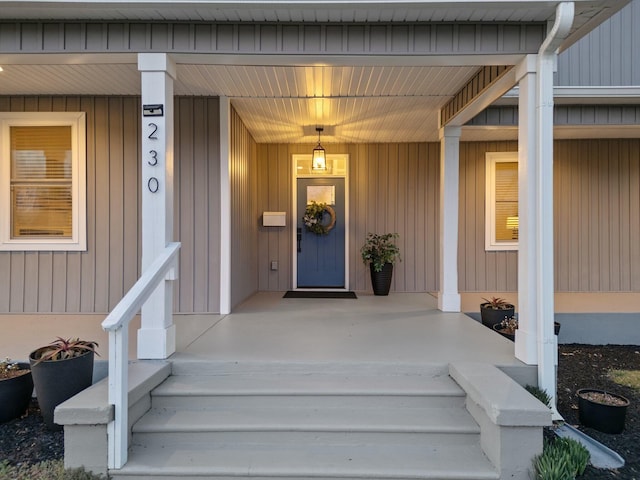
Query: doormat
x=315 y=294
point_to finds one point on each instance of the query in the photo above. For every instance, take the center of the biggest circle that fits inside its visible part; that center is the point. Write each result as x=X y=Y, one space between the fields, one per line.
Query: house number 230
x=153 y=184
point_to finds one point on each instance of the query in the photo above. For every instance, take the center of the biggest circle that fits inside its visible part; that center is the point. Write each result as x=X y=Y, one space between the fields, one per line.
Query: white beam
x=448 y=295
x=526 y=348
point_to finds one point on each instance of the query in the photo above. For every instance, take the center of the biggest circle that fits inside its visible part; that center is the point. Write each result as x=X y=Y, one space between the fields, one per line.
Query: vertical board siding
x=597 y=215
x=478 y=269
x=608 y=55
x=244 y=212
x=392 y=188
x=596 y=218
x=197 y=203
x=95 y=280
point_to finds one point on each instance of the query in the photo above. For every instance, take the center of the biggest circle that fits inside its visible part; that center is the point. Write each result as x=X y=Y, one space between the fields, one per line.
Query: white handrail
x=117 y=324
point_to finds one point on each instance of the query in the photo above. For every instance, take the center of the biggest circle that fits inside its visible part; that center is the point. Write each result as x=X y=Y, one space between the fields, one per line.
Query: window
x=43 y=181
x=501 y=230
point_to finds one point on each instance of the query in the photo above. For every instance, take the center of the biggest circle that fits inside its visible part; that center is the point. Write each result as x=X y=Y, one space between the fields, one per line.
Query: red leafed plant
x=497 y=303
x=61 y=349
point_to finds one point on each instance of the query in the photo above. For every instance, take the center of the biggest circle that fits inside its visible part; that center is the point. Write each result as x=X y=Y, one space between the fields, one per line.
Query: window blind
x=41 y=181
x=506 y=197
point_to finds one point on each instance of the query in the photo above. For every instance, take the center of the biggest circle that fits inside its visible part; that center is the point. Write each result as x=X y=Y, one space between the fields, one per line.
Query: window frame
x=77 y=122
x=491 y=244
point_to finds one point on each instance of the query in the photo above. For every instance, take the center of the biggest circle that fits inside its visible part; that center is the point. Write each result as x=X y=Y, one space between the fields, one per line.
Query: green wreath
x=313 y=216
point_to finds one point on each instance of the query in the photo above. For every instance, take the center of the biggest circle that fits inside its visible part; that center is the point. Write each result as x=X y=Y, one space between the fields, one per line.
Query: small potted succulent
x=507 y=328
x=60 y=370
x=16 y=388
x=495 y=310
x=380 y=252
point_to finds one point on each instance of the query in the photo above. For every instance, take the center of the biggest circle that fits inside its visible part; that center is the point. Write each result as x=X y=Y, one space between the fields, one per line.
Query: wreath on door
x=314 y=215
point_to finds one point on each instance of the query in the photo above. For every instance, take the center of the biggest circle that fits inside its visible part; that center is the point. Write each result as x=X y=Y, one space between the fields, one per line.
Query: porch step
x=298 y=426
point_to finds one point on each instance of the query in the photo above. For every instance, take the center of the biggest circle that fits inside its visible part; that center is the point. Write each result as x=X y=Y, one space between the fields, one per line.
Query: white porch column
x=526 y=347
x=225 y=207
x=156 y=337
x=448 y=296
x=536 y=253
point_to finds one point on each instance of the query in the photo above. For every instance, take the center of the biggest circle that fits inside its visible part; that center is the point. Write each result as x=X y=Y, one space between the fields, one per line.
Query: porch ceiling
x=280 y=104
x=388 y=99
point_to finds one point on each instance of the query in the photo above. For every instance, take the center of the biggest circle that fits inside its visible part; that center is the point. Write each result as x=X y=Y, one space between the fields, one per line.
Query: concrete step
x=307 y=461
x=356 y=390
x=312 y=418
x=349 y=424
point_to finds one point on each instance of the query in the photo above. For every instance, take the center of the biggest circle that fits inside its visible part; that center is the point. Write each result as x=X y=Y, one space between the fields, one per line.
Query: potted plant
x=380 y=252
x=602 y=410
x=495 y=310
x=16 y=388
x=60 y=370
x=507 y=328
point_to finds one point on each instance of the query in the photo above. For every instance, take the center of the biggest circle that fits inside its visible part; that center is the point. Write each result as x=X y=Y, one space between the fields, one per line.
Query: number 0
x=153 y=185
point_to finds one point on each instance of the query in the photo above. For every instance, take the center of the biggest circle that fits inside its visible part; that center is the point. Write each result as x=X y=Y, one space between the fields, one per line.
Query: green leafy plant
x=61 y=349
x=497 y=303
x=380 y=249
x=539 y=393
x=561 y=459
x=9 y=369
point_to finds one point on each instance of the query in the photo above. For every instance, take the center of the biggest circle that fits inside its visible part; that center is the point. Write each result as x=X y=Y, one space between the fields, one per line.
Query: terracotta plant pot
x=602 y=410
x=15 y=395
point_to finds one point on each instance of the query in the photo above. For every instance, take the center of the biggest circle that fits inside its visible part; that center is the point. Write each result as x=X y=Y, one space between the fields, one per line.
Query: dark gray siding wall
x=95 y=280
x=270 y=38
x=609 y=55
x=565 y=115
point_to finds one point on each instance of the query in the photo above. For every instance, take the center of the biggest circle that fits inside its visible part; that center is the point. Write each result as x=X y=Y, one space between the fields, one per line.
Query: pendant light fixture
x=319 y=160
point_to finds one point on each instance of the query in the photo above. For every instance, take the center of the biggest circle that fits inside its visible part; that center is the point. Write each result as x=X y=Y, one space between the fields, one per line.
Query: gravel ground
x=27 y=441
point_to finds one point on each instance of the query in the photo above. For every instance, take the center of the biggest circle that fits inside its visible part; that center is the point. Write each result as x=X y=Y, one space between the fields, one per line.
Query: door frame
x=331 y=158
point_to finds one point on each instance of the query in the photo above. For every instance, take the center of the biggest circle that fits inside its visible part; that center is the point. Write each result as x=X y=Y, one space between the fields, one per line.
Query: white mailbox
x=274 y=219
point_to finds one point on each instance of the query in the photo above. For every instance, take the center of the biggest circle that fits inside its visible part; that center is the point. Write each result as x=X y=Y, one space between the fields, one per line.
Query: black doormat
x=316 y=294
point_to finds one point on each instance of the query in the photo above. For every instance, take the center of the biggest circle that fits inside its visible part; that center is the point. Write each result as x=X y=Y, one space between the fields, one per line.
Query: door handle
x=299 y=240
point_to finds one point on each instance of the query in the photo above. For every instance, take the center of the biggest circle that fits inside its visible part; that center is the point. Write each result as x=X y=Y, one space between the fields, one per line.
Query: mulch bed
x=586 y=366
x=27 y=441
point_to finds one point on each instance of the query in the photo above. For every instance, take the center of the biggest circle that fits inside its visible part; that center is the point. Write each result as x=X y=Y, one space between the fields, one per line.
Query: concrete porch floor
x=403 y=328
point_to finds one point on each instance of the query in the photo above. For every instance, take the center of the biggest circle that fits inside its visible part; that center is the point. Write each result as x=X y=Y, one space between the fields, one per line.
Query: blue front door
x=321 y=257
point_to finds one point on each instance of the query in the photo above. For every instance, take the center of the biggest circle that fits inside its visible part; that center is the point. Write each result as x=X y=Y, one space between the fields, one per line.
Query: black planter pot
x=510 y=336
x=58 y=380
x=15 y=395
x=603 y=417
x=381 y=281
x=491 y=316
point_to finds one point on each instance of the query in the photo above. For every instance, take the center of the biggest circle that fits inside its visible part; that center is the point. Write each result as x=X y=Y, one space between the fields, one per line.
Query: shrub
x=49 y=470
x=561 y=459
